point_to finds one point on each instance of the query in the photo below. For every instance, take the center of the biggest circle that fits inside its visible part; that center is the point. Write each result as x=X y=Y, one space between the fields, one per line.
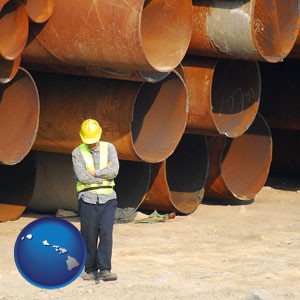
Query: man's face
x=92 y=146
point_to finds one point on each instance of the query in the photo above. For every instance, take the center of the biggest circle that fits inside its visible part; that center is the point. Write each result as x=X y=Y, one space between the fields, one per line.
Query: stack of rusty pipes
x=15 y=17
x=19 y=102
x=169 y=192
x=140 y=41
x=19 y=99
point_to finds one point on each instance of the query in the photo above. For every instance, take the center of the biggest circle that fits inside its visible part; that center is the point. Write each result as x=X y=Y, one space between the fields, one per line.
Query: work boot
x=89 y=276
x=106 y=275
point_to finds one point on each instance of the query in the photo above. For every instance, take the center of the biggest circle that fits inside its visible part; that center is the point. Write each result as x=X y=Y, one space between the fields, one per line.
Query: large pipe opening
x=235 y=96
x=239 y=167
x=224 y=95
x=131 y=114
x=192 y=162
x=275 y=27
x=177 y=184
x=14 y=27
x=159 y=118
x=39 y=11
x=19 y=117
x=166 y=31
x=248 y=30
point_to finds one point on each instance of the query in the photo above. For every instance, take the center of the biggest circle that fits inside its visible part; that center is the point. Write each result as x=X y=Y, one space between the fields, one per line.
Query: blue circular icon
x=50 y=252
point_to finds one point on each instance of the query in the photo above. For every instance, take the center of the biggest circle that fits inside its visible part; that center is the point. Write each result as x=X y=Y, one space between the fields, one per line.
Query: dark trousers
x=97 y=222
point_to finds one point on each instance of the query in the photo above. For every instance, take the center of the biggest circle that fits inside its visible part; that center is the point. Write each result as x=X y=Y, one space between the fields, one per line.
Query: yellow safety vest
x=106 y=186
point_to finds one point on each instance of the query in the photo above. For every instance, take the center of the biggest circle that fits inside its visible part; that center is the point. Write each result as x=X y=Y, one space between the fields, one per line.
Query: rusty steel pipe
x=249 y=30
x=224 y=95
x=239 y=167
x=14 y=26
x=148 y=36
x=16 y=188
x=19 y=117
x=39 y=11
x=177 y=184
x=52 y=193
x=286 y=160
x=9 y=69
x=144 y=121
x=280 y=94
x=46 y=62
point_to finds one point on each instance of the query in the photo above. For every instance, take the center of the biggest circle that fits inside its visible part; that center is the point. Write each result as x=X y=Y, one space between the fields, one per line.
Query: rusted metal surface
x=239 y=167
x=16 y=188
x=224 y=95
x=148 y=36
x=39 y=11
x=52 y=193
x=19 y=117
x=9 y=69
x=14 y=25
x=177 y=184
x=144 y=121
x=281 y=94
x=286 y=159
x=44 y=61
x=249 y=30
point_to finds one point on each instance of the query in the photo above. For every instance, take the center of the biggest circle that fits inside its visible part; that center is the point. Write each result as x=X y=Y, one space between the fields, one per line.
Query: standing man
x=96 y=165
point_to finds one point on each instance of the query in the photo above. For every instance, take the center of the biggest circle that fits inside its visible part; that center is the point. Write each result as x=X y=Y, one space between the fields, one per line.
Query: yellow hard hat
x=90 y=131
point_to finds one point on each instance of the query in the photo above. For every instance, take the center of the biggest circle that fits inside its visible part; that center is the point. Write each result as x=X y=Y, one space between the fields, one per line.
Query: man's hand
x=91 y=172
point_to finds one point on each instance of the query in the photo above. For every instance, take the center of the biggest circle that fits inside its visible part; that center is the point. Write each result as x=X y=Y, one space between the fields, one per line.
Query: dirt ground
x=249 y=251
